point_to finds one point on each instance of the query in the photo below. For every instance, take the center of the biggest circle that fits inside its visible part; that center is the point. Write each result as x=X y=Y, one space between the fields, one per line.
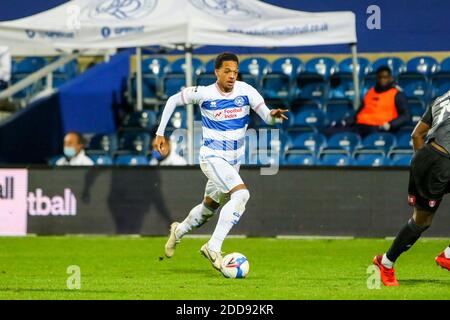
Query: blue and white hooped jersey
x=225 y=117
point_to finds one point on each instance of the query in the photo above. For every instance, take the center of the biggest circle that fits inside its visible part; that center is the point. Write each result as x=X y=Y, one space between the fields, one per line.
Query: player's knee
x=210 y=203
x=241 y=196
x=422 y=218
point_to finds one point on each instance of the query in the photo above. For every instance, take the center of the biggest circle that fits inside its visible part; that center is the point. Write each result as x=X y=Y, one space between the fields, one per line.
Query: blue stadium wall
x=406 y=25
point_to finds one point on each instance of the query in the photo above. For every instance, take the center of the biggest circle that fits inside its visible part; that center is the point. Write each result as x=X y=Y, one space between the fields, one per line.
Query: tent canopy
x=107 y=24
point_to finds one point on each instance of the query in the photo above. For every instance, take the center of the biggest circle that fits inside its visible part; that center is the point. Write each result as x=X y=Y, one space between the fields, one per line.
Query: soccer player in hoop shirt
x=429 y=181
x=225 y=107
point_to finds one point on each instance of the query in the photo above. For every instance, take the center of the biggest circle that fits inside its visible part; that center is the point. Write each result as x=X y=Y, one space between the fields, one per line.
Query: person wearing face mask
x=74 y=154
x=384 y=108
x=171 y=159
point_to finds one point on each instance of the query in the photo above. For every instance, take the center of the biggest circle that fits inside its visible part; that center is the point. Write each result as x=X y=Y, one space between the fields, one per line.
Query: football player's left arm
x=270 y=116
x=419 y=134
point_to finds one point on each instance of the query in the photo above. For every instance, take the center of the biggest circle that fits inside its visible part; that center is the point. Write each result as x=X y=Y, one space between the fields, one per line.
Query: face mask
x=157 y=155
x=69 y=152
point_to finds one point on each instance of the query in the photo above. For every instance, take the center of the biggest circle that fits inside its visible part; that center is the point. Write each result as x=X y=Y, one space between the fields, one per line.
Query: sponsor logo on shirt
x=227 y=114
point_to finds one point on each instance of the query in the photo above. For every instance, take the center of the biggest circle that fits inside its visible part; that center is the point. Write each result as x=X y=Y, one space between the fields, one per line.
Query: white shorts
x=222 y=178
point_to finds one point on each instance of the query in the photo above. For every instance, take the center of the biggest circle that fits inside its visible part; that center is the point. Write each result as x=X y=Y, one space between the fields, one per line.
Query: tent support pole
x=138 y=61
x=356 y=101
x=190 y=108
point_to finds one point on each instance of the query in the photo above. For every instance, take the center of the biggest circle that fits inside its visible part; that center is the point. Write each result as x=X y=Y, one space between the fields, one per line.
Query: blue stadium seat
x=345 y=67
x=347 y=141
x=324 y=67
x=179 y=118
x=135 y=142
x=207 y=77
x=253 y=69
x=175 y=78
x=338 y=110
x=22 y=69
x=270 y=139
x=440 y=85
x=293 y=158
x=102 y=144
x=414 y=87
x=341 y=87
x=402 y=161
x=254 y=66
x=153 y=70
x=423 y=65
x=396 y=64
x=276 y=86
x=101 y=159
x=371 y=160
x=179 y=66
x=140 y=120
x=298 y=105
x=311 y=118
x=369 y=83
x=404 y=140
x=210 y=66
x=309 y=141
x=445 y=65
x=172 y=84
x=311 y=88
x=278 y=83
x=150 y=87
x=339 y=160
x=289 y=66
x=416 y=109
x=154 y=66
x=381 y=140
x=64 y=73
x=29 y=65
x=131 y=160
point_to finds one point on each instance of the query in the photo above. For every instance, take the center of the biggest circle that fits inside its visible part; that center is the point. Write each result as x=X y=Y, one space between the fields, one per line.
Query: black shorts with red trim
x=429 y=178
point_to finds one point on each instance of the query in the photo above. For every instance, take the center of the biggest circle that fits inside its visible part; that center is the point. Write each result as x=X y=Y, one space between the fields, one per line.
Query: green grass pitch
x=131 y=268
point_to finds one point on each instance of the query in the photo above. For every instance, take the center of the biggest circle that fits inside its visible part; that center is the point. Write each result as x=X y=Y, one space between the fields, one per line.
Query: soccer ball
x=235 y=265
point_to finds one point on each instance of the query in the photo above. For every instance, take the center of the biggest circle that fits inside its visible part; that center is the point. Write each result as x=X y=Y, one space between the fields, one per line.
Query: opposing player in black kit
x=429 y=181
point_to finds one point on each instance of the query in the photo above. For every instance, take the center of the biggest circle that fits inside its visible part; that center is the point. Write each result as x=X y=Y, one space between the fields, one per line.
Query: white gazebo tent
x=109 y=24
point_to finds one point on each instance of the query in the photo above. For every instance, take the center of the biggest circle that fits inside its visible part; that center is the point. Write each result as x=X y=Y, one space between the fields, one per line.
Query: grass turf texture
x=130 y=268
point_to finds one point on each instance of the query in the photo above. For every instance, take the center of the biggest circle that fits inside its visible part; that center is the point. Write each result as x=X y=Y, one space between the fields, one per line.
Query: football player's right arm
x=421 y=129
x=184 y=97
x=419 y=134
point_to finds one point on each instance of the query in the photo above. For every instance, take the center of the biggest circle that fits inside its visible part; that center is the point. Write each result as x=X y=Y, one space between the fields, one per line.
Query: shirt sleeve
x=428 y=117
x=189 y=95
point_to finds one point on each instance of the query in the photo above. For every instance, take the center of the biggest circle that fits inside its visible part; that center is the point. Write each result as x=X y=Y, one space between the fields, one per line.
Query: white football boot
x=172 y=241
x=214 y=257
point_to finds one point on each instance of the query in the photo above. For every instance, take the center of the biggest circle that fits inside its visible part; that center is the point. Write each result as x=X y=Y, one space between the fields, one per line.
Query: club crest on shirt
x=432 y=203
x=239 y=101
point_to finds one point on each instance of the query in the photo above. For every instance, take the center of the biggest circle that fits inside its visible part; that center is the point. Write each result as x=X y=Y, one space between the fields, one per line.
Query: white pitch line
x=295 y=237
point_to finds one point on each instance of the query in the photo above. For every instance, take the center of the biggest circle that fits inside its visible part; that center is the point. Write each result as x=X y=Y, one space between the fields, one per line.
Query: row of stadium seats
x=23 y=68
x=292 y=159
x=309 y=114
x=289 y=78
x=292 y=145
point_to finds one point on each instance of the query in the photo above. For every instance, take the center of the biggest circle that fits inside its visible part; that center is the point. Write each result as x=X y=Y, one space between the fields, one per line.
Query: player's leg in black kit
x=410 y=233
